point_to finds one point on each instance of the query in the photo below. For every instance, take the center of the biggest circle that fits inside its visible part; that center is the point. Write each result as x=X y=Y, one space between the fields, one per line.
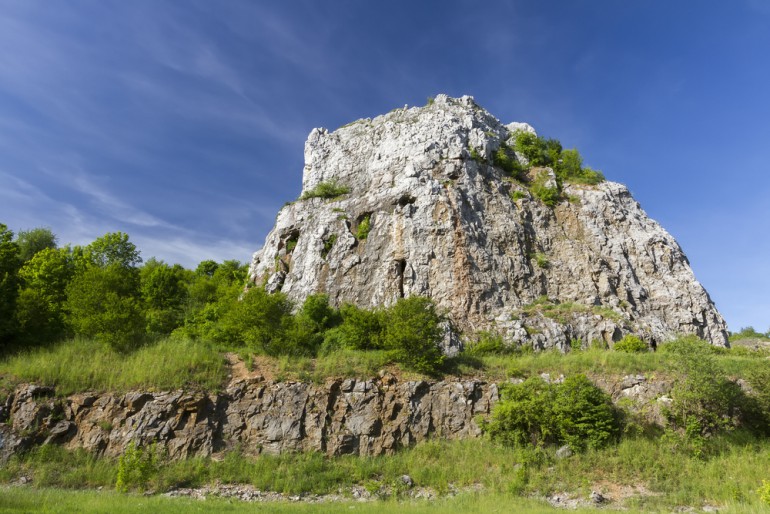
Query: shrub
x=104 y=303
x=364 y=226
x=537 y=413
x=630 y=344
x=328 y=245
x=705 y=401
x=329 y=190
x=584 y=414
x=489 y=343
x=507 y=162
x=532 y=147
x=136 y=467
x=547 y=195
x=259 y=320
x=413 y=334
x=764 y=492
x=360 y=330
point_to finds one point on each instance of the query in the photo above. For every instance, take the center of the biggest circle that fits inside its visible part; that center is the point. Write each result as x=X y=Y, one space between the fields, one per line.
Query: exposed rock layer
x=362 y=417
x=445 y=222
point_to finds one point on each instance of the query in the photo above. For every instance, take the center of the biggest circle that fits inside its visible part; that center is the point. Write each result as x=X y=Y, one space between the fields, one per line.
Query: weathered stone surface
x=362 y=417
x=444 y=224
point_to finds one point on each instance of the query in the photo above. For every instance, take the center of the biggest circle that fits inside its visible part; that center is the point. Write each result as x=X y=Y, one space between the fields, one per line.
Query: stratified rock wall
x=445 y=223
x=254 y=416
x=362 y=417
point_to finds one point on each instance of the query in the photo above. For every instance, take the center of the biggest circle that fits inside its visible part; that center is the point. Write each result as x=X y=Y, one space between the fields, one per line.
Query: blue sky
x=182 y=123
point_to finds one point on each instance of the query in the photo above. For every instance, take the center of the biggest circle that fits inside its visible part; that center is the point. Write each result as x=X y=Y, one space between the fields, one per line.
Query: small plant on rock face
x=364 y=227
x=631 y=344
x=327 y=190
x=541 y=260
x=328 y=244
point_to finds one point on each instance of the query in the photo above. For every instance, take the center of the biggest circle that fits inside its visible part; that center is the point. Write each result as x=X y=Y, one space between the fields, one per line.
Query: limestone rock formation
x=423 y=210
x=254 y=415
x=362 y=417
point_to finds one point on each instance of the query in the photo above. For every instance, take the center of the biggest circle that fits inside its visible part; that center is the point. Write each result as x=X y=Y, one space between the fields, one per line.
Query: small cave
x=405 y=200
x=289 y=241
x=400 y=266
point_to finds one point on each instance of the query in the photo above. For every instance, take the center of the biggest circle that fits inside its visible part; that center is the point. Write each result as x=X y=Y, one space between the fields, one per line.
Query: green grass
x=593 y=362
x=83 y=364
x=20 y=499
x=728 y=478
x=328 y=190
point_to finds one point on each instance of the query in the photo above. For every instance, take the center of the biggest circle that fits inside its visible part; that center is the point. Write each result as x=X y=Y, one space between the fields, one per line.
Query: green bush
x=413 y=334
x=705 y=400
x=488 y=343
x=364 y=226
x=537 y=413
x=548 y=195
x=507 y=162
x=259 y=321
x=329 y=190
x=360 y=329
x=630 y=344
x=136 y=467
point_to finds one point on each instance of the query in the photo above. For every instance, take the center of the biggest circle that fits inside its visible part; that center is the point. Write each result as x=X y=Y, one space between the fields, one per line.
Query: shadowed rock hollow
x=445 y=222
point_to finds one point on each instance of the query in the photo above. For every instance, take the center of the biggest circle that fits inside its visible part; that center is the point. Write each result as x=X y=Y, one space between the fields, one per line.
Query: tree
x=164 y=293
x=104 y=303
x=9 y=266
x=413 y=334
x=33 y=241
x=40 y=309
x=112 y=248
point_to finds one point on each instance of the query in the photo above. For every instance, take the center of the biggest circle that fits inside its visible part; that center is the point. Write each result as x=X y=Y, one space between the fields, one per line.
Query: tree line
x=104 y=291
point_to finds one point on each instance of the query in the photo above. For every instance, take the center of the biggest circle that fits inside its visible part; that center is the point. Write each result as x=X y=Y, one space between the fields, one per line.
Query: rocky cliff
x=254 y=415
x=441 y=220
x=363 y=417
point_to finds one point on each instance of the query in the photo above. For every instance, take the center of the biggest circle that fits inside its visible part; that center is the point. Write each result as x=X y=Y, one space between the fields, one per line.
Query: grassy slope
x=731 y=473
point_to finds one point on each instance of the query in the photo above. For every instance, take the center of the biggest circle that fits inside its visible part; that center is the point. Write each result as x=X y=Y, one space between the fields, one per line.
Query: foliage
x=112 y=249
x=259 y=321
x=104 y=303
x=328 y=245
x=488 y=343
x=705 y=401
x=518 y=195
x=311 y=322
x=360 y=329
x=413 y=334
x=567 y=164
x=364 y=226
x=33 y=241
x=506 y=160
x=631 y=344
x=537 y=413
x=764 y=492
x=328 y=190
x=136 y=467
x=164 y=293
x=9 y=265
x=547 y=194
x=749 y=333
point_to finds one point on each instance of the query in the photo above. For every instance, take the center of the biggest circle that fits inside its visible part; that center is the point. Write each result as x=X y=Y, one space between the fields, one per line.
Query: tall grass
x=84 y=364
x=730 y=476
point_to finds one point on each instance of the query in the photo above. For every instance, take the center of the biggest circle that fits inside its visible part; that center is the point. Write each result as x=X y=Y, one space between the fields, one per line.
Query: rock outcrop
x=362 y=417
x=441 y=220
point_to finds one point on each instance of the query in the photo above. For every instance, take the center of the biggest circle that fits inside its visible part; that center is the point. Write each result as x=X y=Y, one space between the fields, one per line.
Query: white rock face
x=444 y=224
